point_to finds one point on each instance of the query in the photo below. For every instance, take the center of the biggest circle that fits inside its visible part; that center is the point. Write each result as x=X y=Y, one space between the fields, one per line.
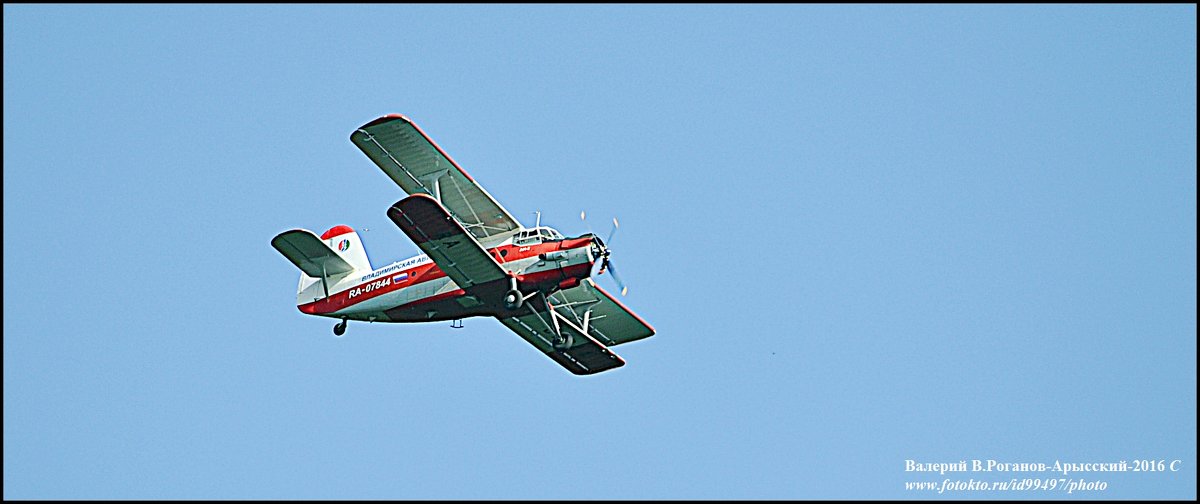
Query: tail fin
x=345 y=241
x=337 y=253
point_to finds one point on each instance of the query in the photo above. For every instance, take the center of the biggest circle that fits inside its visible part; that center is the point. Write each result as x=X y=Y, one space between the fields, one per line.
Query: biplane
x=477 y=261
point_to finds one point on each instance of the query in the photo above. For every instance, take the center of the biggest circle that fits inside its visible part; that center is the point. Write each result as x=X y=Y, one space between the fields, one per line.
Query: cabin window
x=538 y=235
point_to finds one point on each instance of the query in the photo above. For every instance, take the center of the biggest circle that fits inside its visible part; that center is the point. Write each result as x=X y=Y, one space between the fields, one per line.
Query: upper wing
x=445 y=241
x=313 y=256
x=418 y=165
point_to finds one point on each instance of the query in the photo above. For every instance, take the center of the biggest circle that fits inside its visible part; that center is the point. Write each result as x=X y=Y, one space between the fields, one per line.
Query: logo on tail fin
x=343 y=245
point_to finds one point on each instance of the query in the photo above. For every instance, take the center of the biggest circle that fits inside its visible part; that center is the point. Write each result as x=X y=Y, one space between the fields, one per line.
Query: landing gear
x=340 y=329
x=513 y=299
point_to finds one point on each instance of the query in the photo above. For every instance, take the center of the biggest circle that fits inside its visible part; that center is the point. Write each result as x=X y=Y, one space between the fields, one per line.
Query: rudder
x=346 y=242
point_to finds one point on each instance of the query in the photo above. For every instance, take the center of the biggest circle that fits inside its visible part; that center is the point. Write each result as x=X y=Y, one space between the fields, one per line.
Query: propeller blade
x=613 y=232
x=583 y=217
x=613 y=270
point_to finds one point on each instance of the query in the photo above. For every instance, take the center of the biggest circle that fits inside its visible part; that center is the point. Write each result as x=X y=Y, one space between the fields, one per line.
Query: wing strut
x=324 y=282
x=435 y=180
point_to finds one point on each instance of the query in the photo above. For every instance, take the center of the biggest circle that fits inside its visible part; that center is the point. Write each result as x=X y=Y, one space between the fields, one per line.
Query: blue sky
x=864 y=234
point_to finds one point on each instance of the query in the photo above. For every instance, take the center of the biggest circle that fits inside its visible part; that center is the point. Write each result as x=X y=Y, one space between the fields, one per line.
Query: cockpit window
x=526 y=238
x=536 y=235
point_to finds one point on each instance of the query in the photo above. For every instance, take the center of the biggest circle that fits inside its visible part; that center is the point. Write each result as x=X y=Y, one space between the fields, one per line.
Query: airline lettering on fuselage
x=378 y=284
x=396 y=267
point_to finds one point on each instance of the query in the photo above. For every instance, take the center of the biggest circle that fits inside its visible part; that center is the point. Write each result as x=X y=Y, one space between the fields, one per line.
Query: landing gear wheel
x=563 y=342
x=512 y=299
x=340 y=329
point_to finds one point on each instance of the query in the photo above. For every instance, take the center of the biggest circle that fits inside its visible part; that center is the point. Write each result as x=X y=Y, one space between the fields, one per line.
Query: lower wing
x=572 y=326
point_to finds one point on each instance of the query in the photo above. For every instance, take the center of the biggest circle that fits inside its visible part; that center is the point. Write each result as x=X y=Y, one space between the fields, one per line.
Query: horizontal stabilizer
x=310 y=254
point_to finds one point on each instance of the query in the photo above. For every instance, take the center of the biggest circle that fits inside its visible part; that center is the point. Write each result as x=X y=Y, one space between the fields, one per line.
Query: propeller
x=604 y=253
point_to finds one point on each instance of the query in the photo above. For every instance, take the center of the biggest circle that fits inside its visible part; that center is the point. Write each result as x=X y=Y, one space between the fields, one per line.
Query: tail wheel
x=512 y=299
x=340 y=329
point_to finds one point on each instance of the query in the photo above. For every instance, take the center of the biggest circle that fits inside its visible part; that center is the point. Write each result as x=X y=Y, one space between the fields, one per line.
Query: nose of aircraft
x=603 y=254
